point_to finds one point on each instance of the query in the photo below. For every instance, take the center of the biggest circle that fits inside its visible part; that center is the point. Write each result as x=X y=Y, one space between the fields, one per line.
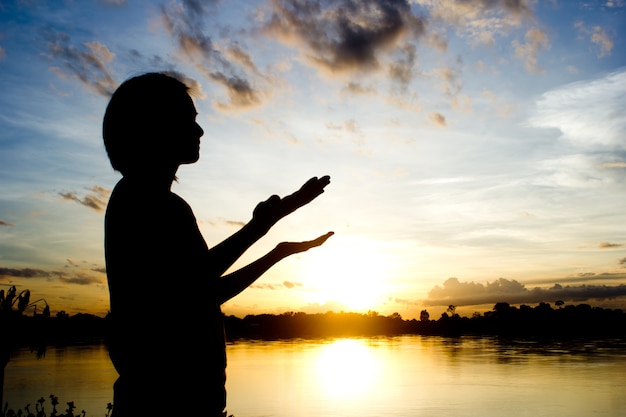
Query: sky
x=476 y=148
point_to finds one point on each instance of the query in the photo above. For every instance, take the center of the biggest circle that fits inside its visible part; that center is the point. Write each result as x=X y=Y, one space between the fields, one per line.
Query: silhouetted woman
x=168 y=346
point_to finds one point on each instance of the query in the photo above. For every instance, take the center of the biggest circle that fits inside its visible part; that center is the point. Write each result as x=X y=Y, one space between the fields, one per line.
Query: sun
x=352 y=272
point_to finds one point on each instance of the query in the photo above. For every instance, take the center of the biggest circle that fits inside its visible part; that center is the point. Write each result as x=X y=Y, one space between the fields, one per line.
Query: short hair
x=135 y=115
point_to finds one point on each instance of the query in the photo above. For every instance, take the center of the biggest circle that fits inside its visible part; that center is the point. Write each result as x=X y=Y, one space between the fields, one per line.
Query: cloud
x=80 y=279
x=96 y=200
x=239 y=90
x=511 y=291
x=534 y=42
x=24 y=273
x=582 y=277
x=608 y=245
x=5 y=223
x=235 y=223
x=229 y=66
x=339 y=36
x=598 y=37
x=286 y=284
x=622 y=261
x=588 y=113
x=89 y=62
x=481 y=21
x=185 y=22
x=438 y=119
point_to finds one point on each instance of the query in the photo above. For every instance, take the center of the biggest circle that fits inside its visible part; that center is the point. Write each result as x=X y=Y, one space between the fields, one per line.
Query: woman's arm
x=232 y=284
x=266 y=214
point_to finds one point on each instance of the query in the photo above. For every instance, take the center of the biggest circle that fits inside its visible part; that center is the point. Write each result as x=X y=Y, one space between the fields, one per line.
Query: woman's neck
x=161 y=179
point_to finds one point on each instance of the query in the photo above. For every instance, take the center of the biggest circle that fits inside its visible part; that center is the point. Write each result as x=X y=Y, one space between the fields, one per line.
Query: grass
x=40 y=409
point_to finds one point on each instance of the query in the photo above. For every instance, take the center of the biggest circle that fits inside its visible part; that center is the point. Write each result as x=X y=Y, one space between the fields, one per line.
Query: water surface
x=406 y=376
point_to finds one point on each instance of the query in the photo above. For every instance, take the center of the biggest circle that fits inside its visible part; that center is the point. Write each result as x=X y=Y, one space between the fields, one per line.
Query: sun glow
x=350 y=272
x=346 y=368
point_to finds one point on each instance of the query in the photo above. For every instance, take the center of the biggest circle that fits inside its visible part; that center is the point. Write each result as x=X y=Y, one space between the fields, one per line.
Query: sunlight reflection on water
x=407 y=376
x=346 y=369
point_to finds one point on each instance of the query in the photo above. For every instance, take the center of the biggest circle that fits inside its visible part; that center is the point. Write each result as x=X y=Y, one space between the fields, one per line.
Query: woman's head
x=150 y=123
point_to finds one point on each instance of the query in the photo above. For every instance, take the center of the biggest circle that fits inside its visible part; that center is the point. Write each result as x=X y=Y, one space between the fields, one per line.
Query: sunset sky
x=476 y=148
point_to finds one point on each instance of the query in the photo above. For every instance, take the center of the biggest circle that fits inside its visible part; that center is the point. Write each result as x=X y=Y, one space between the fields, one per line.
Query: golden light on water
x=346 y=369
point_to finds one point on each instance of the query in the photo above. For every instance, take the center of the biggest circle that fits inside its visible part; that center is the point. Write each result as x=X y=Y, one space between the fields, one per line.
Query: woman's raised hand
x=268 y=212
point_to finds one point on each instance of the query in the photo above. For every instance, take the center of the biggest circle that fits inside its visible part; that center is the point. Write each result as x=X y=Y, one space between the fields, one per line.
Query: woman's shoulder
x=135 y=197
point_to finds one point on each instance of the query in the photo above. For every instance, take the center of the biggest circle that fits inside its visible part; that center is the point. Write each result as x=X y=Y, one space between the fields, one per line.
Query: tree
x=12 y=307
x=424 y=315
x=502 y=309
x=396 y=316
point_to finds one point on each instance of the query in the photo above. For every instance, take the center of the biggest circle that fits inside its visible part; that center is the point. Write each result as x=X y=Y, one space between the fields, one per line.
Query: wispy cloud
x=460 y=293
x=80 y=278
x=480 y=21
x=590 y=118
x=534 y=42
x=5 y=223
x=438 y=119
x=235 y=223
x=23 y=273
x=96 y=200
x=597 y=36
x=240 y=92
x=89 y=62
x=588 y=113
x=285 y=285
x=609 y=245
x=224 y=63
x=76 y=276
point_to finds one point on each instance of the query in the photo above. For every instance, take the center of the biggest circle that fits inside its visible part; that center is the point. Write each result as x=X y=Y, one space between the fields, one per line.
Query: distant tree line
x=540 y=321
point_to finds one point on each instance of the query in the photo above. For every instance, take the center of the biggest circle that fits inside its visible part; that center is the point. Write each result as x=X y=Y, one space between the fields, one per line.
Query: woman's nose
x=200 y=130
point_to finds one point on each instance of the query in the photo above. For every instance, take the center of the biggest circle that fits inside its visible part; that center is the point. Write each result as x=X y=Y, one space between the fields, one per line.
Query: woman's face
x=182 y=133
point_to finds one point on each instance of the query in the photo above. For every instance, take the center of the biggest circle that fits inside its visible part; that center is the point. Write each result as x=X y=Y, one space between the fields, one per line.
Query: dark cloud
x=239 y=90
x=511 y=291
x=344 y=35
x=582 y=277
x=359 y=89
x=89 y=62
x=5 y=223
x=80 y=279
x=622 y=261
x=402 y=70
x=186 y=22
x=24 y=273
x=96 y=200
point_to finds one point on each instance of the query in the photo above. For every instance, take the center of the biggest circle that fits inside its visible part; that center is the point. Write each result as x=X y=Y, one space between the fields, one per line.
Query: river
x=405 y=376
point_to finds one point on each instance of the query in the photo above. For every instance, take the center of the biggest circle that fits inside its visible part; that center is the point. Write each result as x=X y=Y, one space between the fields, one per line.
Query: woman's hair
x=136 y=116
